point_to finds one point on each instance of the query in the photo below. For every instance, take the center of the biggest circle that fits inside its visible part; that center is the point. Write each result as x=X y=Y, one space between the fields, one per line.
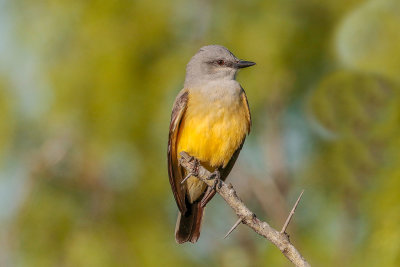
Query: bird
x=210 y=121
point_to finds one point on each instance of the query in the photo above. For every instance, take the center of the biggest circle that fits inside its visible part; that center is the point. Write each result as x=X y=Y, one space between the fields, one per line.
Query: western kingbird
x=210 y=120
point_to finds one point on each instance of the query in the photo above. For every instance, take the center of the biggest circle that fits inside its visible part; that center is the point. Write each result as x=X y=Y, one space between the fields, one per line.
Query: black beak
x=244 y=64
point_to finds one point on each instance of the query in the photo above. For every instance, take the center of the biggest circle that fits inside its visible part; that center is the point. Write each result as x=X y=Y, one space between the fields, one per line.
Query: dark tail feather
x=188 y=225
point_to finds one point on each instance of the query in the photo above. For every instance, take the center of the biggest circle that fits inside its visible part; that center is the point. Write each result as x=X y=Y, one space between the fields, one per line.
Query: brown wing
x=175 y=176
x=225 y=171
x=246 y=105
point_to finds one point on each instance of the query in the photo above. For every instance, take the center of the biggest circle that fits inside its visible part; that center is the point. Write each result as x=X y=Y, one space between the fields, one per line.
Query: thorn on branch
x=187 y=177
x=234 y=227
x=291 y=214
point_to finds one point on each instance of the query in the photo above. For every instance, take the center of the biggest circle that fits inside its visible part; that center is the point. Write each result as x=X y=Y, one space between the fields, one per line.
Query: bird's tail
x=188 y=225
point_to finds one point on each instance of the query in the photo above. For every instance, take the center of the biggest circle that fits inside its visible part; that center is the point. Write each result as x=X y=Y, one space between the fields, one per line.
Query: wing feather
x=246 y=105
x=174 y=173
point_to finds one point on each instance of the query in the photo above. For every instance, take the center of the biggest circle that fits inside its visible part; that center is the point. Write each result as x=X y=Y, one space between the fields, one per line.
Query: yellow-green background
x=86 y=89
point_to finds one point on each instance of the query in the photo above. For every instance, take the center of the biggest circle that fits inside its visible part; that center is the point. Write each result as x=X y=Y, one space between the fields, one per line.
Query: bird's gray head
x=212 y=63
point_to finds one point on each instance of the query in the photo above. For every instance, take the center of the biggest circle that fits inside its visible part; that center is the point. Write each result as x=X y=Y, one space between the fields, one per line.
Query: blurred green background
x=86 y=90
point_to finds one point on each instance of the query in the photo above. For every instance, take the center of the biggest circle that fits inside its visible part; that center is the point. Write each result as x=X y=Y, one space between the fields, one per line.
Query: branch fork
x=246 y=216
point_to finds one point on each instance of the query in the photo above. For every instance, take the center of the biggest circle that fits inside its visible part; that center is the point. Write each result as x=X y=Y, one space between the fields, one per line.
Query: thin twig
x=233 y=227
x=281 y=241
x=291 y=213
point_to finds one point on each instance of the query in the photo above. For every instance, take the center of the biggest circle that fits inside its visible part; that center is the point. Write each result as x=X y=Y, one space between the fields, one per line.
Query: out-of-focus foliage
x=86 y=89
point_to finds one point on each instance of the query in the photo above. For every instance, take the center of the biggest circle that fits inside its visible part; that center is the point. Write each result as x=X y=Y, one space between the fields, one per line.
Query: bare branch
x=281 y=241
x=291 y=213
x=233 y=227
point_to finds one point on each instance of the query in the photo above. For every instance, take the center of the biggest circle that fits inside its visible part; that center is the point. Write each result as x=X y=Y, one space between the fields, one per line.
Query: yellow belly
x=211 y=132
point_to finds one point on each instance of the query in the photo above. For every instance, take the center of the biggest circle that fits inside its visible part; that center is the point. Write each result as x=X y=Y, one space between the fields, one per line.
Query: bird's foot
x=194 y=171
x=216 y=176
x=195 y=168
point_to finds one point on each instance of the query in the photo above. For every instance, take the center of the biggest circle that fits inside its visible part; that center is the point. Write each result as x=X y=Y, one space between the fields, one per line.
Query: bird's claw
x=217 y=180
x=195 y=169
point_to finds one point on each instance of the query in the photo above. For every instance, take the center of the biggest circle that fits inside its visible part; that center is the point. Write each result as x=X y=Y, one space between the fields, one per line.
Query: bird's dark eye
x=220 y=62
